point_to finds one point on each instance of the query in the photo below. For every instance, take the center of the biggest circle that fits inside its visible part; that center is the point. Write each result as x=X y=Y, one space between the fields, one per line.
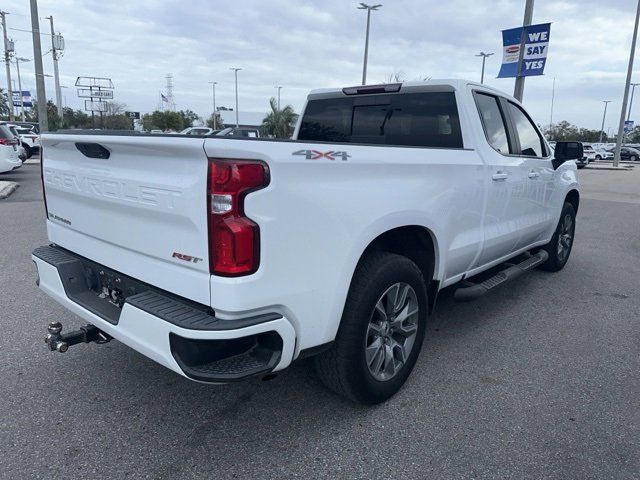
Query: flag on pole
x=164 y=98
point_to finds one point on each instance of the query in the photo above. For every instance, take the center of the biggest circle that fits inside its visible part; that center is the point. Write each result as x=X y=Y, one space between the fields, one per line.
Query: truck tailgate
x=142 y=211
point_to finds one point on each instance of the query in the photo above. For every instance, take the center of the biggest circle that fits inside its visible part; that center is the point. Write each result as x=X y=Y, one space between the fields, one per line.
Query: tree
x=166 y=120
x=188 y=118
x=279 y=123
x=219 y=124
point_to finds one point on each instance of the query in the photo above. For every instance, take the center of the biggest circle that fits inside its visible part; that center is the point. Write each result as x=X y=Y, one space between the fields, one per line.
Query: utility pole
x=37 y=59
x=7 y=64
x=215 y=120
x=616 y=155
x=18 y=60
x=369 y=9
x=279 y=87
x=518 y=91
x=604 y=115
x=54 y=54
x=553 y=96
x=633 y=89
x=484 y=58
x=235 y=69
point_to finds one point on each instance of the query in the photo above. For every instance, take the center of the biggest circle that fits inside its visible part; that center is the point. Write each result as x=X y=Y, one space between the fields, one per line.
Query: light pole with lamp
x=235 y=70
x=369 y=9
x=18 y=60
x=215 y=120
x=484 y=58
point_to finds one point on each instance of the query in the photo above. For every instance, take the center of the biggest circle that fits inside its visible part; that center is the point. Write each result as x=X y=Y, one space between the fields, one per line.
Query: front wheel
x=27 y=151
x=559 y=248
x=633 y=158
x=381 y=330
x=598 y=157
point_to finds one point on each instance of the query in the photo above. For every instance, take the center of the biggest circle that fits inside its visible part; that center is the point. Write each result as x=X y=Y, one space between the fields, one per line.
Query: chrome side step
x=472 y=291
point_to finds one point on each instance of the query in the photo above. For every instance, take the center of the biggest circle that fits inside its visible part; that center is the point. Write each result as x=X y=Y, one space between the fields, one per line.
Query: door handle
x=500 y=175
x=533 y=174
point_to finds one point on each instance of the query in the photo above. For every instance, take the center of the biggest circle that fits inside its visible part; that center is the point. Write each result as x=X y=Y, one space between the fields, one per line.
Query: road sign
x=133 y=115
x=628 y=126
x=94 y=93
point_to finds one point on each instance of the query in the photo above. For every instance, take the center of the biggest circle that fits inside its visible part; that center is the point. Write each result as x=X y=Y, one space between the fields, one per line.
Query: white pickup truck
x=226 y=258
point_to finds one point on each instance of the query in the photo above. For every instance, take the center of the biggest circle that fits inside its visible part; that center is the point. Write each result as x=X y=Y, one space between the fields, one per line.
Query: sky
x=303 y=45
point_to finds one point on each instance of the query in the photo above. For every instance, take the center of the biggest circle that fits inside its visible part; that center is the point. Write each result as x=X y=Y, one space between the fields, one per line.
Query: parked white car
x=9 y=154
x=229 y=258
x=197 y=131
x=28 y=138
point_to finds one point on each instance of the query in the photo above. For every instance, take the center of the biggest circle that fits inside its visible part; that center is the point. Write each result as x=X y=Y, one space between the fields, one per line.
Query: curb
x=618 y=169
x=7 y=188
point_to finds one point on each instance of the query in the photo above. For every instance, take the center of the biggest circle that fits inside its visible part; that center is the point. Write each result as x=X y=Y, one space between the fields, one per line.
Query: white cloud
x=304 y=45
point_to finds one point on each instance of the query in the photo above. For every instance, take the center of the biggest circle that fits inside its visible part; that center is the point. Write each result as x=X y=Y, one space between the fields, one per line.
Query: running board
x=476 y=290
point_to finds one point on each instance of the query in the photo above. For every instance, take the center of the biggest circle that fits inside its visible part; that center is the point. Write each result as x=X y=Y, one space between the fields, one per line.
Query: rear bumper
x=176 y=333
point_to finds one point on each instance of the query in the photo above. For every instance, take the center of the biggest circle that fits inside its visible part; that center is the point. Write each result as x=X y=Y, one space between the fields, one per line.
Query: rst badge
x=318 y=155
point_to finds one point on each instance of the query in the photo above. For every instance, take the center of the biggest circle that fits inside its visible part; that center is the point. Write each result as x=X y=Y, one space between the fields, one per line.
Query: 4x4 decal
x=317 y=155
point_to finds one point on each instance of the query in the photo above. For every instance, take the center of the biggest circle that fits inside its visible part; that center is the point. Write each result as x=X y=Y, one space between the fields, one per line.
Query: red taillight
x=6 y=141
x=234 y=239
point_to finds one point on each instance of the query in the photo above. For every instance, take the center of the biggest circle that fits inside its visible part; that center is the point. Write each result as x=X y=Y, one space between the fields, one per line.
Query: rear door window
x=493 y=122
x=427 y=119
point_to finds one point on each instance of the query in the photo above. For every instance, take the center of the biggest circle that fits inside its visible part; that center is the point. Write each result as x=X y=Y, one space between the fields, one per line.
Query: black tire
x=27 y=150
x=556 y=260
x=598 y=157
x=580 y=167
x=633 y=158
x=343 y=368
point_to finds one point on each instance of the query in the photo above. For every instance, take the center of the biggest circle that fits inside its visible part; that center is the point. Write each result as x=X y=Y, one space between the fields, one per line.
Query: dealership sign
x=91 y=93
x=18 y=101
x=524 y=51
x=628 y=126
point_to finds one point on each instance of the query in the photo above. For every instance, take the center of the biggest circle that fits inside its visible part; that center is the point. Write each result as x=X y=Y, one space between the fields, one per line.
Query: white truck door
x=505 y=182
x=537 y=172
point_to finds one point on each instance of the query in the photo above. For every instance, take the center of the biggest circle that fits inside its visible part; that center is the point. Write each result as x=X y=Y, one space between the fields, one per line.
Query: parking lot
x=538 y=380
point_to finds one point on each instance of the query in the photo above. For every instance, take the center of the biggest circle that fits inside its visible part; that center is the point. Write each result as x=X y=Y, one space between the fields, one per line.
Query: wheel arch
x=573 y=197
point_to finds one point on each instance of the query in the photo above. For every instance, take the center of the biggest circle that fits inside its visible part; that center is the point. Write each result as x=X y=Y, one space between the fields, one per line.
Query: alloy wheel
x=392 y=330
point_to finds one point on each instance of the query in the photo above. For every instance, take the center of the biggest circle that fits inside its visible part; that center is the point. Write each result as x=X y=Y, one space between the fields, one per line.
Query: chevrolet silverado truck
x=225 y=258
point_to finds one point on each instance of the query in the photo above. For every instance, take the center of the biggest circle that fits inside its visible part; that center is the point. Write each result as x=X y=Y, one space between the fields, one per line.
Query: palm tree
x=279 y=123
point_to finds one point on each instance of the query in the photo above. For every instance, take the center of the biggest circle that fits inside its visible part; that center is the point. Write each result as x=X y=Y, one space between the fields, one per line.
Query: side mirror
x=565 y=151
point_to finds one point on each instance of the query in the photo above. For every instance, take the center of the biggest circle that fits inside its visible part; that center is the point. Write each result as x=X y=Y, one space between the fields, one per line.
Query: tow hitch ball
x=60 y=342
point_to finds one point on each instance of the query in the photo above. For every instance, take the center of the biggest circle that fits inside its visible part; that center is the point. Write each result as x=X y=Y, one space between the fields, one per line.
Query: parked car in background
x=9 y=159
x=197 y=131
x=589 y=152
x=239 y=132
x=602 y=154
x=628 y=154
x=28 y=139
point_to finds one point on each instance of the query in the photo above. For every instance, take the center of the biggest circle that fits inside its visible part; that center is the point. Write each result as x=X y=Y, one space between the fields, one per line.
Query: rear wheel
x=633 y=158
x=559 y=248
x=27 y=150
x=381 y=330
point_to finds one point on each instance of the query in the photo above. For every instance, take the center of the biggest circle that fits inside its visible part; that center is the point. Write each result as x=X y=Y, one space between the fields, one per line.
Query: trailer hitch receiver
x=60 y=342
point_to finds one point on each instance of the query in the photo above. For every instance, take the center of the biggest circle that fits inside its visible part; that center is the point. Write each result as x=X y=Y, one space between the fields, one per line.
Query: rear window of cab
x=428 y=119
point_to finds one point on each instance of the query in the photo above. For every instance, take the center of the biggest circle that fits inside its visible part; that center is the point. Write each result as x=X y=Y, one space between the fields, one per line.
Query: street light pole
x=484 y=58
x=215 y=120
x=606 y=103
x=633 y=89
x=37 y=59
x=616 y=155
x=553 y=96
x=518 y=91
x=369 y=9
x=279 y=87
x=18 y=60
x=8 y=65
x=235 y=69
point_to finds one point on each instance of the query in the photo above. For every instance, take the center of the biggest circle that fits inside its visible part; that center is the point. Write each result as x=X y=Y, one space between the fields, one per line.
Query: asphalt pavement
x=539 y=380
